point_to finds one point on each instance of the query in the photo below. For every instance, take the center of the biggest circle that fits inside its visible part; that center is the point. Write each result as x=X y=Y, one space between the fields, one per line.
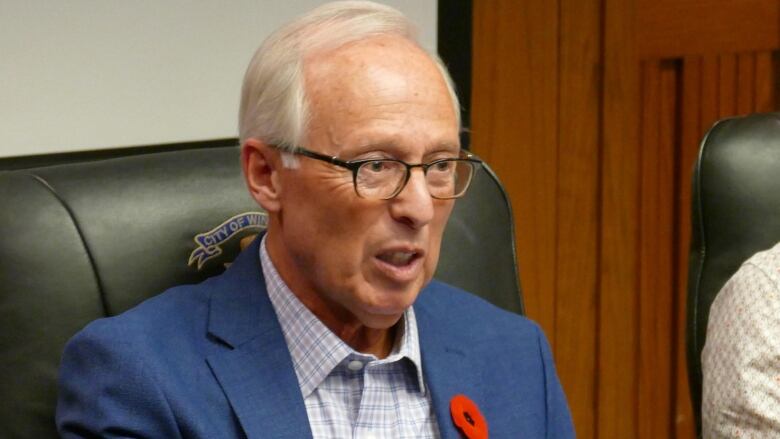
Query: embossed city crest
x=210 y=243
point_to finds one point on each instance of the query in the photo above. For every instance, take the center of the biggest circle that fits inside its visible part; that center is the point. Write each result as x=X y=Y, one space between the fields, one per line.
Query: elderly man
x=329 y=325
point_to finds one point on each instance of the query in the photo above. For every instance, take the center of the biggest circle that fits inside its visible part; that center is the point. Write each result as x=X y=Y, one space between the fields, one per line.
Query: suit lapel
x=254 y=367
x=449 y=369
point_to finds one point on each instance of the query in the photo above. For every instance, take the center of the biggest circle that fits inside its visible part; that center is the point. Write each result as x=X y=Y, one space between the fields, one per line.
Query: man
x=328 y=325
x=741 y=357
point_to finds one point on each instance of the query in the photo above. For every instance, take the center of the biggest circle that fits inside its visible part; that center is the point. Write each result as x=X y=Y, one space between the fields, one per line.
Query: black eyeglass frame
x=355 y=165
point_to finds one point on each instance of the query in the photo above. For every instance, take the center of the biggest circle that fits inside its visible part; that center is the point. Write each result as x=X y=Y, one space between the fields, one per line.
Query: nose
x=413 y=206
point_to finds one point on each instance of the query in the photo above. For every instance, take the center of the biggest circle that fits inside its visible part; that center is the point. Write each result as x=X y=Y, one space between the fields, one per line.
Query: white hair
x=274 y=105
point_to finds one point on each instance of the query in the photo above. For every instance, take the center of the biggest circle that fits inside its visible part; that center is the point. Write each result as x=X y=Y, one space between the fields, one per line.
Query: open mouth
x=400 y=265
x=398 y=258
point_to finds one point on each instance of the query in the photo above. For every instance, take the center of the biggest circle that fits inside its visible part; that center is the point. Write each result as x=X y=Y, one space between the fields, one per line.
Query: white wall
x=89 y=74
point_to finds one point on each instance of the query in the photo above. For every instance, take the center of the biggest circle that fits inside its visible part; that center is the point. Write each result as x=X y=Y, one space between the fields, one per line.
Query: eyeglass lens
x=383 y=179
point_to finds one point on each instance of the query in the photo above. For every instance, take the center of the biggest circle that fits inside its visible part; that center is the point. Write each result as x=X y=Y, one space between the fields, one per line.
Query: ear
x=260 y=163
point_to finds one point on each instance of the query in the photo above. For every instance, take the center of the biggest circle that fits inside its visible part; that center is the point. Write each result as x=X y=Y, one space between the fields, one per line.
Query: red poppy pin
x=468 y=418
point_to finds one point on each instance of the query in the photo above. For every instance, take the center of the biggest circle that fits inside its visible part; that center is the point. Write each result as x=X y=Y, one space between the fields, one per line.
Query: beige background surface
x=87 y=74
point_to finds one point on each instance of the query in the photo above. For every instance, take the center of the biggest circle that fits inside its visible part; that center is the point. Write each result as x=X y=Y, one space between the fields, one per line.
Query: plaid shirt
x=348 y=394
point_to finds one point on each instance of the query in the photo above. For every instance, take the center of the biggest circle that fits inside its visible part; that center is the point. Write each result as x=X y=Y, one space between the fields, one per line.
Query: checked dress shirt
x=348 y=394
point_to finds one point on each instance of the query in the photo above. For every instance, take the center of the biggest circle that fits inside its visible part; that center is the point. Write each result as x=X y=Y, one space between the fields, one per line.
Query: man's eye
x=443 y=166
x=377 y=166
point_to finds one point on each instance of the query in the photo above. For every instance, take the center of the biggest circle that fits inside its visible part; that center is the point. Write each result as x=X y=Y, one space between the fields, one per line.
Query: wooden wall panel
x=656 y=211
x=710 y=72
x=663 y=330
x=577 y=231
x=514 y=128
x=648 y=254
x=690 y=134
x=676 y=28
x=595 y=131
x=618 y=259
x=746 y=76
x=658 y=271
x=727 y=84
x=765 y=85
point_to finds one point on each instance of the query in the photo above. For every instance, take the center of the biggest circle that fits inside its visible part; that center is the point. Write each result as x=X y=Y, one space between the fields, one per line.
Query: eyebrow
x=447 y=146
x=394 y=147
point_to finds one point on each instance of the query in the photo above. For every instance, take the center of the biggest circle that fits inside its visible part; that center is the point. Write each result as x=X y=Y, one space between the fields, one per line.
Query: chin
x=392 y=309
x=381 y=321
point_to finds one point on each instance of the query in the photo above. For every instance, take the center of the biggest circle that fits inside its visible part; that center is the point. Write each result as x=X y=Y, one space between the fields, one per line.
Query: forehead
x=383 y=87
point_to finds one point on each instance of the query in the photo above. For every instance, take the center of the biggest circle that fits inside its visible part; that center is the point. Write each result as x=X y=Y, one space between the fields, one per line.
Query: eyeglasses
x=383 y=179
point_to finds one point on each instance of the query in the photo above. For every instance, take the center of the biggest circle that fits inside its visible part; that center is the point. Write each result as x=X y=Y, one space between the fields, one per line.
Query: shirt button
x=355 y=365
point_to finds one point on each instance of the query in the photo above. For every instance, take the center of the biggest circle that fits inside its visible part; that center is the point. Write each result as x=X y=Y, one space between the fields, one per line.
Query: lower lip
x=401 y=274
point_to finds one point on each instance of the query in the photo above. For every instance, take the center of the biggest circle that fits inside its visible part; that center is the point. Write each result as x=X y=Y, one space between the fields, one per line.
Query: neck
x=367 y=340
x=378 y=342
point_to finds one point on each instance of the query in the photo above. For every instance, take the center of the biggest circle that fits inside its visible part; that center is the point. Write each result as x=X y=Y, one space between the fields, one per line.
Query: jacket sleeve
x=559 y=423
x=106 y=390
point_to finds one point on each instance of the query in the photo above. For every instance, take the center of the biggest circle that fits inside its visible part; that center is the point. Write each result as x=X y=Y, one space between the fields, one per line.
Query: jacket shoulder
x=456 y=306
x=176 y=312
x=474 y=319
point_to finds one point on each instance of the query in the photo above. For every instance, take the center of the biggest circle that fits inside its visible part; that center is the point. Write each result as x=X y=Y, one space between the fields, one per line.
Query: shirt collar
x=315 y=349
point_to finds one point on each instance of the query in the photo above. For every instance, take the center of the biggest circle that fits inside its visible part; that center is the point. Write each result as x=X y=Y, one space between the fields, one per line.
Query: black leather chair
x=736 y=213
x=86 y=240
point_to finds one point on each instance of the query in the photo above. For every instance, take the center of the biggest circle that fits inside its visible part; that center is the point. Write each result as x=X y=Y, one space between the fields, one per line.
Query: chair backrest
x=87 y=240
x=736 y=213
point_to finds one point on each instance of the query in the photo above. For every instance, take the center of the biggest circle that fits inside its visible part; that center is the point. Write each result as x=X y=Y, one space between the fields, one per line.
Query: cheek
x=318 y=205
x=335 y=225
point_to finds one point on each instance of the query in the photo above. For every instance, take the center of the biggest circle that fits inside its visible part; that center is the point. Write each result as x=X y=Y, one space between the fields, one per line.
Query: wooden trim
x=579 y=124
x=619 y=246
x=676 y=28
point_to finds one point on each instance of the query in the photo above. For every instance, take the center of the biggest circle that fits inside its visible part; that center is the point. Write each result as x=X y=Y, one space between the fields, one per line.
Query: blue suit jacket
x=210 y=361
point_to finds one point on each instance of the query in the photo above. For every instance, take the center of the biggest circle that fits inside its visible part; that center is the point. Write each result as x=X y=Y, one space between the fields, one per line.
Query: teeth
x=397 y=258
